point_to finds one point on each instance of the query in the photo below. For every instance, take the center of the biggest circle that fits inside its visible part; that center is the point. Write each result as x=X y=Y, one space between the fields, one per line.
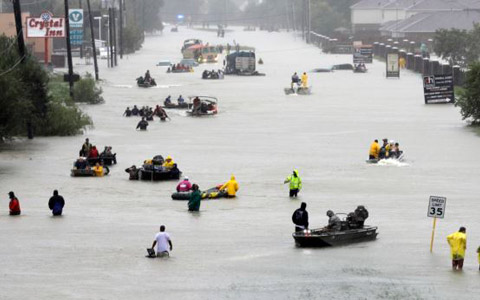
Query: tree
x=26 y=99
x=451 y=45
x=469 y=97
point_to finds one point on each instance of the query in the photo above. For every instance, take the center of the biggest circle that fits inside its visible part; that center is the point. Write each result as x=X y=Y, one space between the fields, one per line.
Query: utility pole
x=110 y=34
x=309 y=15
x=121 y=29
x=69 y=49
x=115 y=48
x=18 y=22
x=90 y=17
x=81 y=46
x=304 y=9
x=21 y=50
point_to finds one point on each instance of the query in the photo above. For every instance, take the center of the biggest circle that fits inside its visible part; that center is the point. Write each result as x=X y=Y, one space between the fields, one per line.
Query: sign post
x=393 y=69
x=46 y=26
x=436 y=209
x=76 y=26
x=438 y=89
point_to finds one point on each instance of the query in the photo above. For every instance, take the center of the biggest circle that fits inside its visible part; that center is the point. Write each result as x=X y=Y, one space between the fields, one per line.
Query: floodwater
x=242 y=248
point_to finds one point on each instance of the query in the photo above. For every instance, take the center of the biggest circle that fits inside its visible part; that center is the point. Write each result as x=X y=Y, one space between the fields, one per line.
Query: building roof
x=371 y=4
x=437 y=5
x=431 y=22
x=418 y=5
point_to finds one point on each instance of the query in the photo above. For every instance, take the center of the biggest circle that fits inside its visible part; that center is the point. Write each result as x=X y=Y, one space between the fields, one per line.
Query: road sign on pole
x=436 y=209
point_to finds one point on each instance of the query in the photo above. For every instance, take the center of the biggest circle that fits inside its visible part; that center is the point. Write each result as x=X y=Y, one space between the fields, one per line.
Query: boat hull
x=320 y=238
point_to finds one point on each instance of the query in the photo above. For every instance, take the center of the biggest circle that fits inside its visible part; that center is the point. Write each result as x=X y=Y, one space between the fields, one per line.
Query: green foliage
x=25 y=98
x=133 y=37
x=451 y=45
x=87 y=91
x=469 y=97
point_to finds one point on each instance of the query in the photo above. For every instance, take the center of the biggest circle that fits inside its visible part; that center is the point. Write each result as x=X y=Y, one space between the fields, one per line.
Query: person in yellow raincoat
x=231 y=186
x=98 y=170
x=169 y=163
x=295 y=183
x=458 y=244
x=374 y=150
x=478 y=253
x=304 y=80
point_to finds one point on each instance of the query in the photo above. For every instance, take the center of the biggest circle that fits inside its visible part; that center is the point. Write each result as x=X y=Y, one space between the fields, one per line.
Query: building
x=410 y=18
x=422 y=26
x=35 y=45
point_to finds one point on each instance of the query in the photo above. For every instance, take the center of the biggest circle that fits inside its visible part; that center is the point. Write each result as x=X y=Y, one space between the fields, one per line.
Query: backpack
x=297 y=217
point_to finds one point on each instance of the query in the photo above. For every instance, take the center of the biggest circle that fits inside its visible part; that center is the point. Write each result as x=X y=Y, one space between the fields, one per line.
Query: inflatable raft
x=88 y=172
x=213 y=193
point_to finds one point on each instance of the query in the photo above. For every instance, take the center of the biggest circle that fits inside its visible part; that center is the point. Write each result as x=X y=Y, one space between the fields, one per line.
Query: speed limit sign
x=436 y=207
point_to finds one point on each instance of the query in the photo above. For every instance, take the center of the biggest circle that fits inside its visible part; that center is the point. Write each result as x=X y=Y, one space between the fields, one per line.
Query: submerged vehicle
x=180 y=70
x=299 y=90
x=146 y=84
x=189 y=62
x=241 y=63
x=325 y=238
x=190 y=42
x=333 y=68
x=164 y=63
x=202 y=106
x=213 y=193
x=88 y=172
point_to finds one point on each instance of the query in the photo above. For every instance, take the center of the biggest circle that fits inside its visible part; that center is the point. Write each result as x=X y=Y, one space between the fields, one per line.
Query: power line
x=13 y=67
x=11 y=44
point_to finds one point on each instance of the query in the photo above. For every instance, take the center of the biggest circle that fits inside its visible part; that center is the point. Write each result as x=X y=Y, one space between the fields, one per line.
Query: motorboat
x=326 y=238
x=202 y=106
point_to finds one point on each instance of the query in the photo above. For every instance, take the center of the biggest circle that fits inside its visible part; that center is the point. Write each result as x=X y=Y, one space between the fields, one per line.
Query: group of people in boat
x=360 y=67
x=389 y=149
x=89 y=155
x=180 y=68
x=299 y=81
x=147 y=79
x=213 y=74
x=354 y=220
x=168 y=101
x=200 y=107
x=154 y=164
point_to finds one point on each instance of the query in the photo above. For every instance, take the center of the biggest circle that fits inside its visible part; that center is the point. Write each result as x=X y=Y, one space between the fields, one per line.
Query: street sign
x=438 y=89
x=75 y=16
x=393 y=69
x=76 y=37
x=436 y=207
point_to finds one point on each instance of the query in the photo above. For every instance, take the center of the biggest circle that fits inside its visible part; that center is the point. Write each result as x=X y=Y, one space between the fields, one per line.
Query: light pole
x=99 y=27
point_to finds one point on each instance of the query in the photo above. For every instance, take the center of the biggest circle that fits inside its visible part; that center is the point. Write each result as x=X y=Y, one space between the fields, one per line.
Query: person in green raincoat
x=295 y=183
x=195 y=199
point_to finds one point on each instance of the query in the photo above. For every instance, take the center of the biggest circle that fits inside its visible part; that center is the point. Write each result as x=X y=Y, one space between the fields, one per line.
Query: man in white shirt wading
x=162 y=240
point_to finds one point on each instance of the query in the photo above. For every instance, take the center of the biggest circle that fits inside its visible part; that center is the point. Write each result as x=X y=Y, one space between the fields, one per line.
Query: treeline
x=30 y=103
x=458 y=47
x=328 y=17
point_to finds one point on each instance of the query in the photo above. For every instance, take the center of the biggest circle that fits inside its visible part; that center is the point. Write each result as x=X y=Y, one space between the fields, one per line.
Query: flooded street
x=243 y=248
